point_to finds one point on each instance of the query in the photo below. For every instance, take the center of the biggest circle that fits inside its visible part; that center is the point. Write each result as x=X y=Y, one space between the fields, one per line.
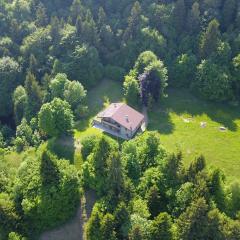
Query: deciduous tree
x=55 y=118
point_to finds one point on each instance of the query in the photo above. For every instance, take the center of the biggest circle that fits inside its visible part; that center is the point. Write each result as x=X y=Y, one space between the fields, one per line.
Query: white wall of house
x=125 y=132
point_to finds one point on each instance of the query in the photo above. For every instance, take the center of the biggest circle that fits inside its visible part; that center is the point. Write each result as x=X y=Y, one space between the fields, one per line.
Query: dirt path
x=74 y=229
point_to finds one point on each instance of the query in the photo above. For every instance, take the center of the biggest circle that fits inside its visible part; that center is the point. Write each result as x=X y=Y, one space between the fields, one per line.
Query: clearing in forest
x=186 y=123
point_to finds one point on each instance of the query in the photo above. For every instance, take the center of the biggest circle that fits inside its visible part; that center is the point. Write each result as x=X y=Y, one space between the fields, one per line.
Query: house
x=120 y=120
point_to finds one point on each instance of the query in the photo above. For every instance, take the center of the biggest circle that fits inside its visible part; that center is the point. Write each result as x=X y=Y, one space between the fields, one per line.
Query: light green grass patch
x=178 y=119
x=15 y=159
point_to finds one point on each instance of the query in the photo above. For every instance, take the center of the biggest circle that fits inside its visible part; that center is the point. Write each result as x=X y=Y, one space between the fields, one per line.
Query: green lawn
x=221 y=149
x=169 y=118
x=69 y=147
x=106 y=90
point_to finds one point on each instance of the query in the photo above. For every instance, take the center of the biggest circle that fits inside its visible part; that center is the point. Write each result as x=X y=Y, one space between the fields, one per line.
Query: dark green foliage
x=47 y=42
x=55 y=118
x=121 y=215
x=9 y=75
x=173 y=170
x=193 y=223
x=56 y=186
x=235 y=198
x=37 y=43
x=84 y=65
x=107 y=227
x=184 y=70
x=154 y=200
x=94 y=224
x=236 y=73
x=34 y=96
x=57 y=85
x=152 y=77
x=179 y=15
x=229 y=13
x=161 y=228
x=2 y=142
x=49 y=170
x=195 y=167
x=101 y=226
x=115 y=176
x=41 y=17
x=213 y=82
x=210 y=39
x=25 y=133
x=8 y=217
x=88 y=144
x=134 y=22
x=131 y=90
x=183 y=197
x=130 y=161
x=114 y=73
x=101 y=164
x=7 y=175
x=217 y=189
x=222 y=227
x=89 y=30
x=193 y=18
x=20 y=101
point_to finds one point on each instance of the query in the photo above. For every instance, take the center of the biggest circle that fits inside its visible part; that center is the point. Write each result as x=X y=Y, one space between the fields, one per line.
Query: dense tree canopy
x=50 y=53
x=56 y=118
x=10 y=78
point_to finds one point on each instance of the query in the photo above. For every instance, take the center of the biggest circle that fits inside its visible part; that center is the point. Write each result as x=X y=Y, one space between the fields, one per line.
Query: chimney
x=126 y=118
x=115 y=105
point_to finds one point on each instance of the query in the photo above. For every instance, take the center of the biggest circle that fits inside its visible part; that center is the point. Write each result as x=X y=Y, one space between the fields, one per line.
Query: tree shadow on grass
x=183 y=102
x=82 y=124
x=63 y=147
x=160 y=120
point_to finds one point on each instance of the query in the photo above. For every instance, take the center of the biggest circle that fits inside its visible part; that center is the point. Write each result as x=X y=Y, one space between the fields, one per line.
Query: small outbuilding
x=120 y=120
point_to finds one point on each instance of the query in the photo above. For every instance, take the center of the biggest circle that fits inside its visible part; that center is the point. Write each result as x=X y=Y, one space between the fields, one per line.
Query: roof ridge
x=120 y=106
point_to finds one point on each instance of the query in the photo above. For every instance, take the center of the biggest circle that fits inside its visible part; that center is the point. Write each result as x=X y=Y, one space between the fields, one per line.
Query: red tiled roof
x=123 y=115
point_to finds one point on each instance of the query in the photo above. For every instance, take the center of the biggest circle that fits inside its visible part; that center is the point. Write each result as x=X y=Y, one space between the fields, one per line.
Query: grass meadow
x=177 y=118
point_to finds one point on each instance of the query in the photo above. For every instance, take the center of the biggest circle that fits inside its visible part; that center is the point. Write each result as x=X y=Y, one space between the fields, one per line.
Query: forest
x=53 y=54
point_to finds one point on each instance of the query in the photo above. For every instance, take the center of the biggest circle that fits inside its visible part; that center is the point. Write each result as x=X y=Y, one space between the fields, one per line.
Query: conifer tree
x=41 y=16
x=33 y=65
x=210 y=39
x=229 y=13
x=161 y=228
x=134 y=22
x=49 y=170
x=179 y=15
x=78 y=26
x=34 y=95
x=19 y=103
x=76 y=10
x=101 y=17
x=193 y=20
x=55 y=29
x=193 y=223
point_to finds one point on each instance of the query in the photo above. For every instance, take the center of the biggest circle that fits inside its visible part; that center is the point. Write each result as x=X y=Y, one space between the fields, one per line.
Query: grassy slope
x=69 y=147
x=221 y=149
x=96 y=97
